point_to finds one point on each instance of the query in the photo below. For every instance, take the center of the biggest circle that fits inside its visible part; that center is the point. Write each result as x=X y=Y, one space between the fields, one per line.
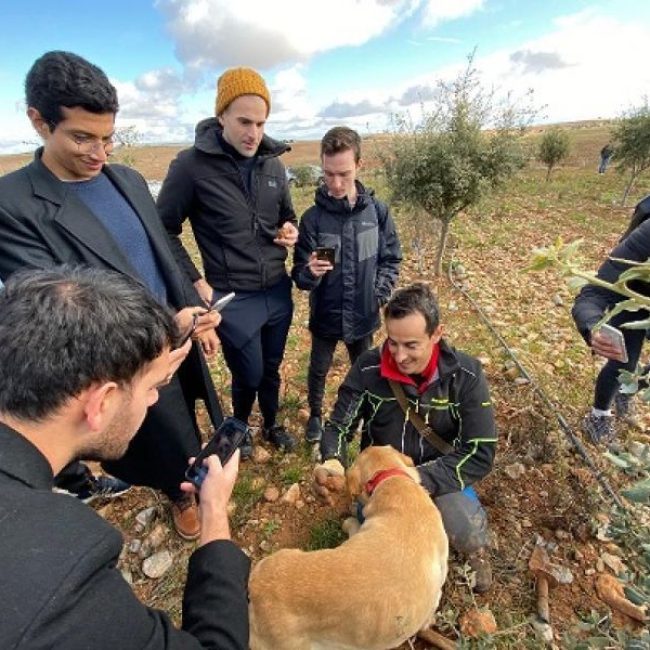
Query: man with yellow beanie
x=233 y=188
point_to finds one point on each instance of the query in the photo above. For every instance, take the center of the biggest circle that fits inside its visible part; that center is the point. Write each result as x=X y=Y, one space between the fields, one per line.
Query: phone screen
x=326 y=253
x=230 y=435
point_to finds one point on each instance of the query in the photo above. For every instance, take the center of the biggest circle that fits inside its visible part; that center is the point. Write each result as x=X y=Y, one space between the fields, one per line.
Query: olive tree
x=468 y=145
x=631 y=139
x=553 y=149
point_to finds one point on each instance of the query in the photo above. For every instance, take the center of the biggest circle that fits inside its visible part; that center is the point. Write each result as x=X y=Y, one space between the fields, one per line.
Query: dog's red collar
x=372 y=484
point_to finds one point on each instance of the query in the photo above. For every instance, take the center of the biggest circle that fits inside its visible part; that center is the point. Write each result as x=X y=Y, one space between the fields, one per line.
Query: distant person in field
x=348 y=289
x=233 y=188
x=70 y=206
x=606 y=154
x=590 y=306
x=83 y=355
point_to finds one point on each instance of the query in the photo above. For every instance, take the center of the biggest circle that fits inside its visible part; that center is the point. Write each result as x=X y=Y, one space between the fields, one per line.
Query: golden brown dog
x=374 y=591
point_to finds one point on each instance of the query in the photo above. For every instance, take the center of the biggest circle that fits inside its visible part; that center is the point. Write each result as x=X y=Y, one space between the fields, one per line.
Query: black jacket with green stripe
x=456 y=405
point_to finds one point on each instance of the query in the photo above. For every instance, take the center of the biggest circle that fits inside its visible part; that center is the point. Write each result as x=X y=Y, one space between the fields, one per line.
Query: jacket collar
x=22 y=461
x=342 y=206
x=206 y=140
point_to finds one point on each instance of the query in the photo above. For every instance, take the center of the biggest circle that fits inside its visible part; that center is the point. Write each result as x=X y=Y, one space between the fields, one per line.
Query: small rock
x=475 y=622
x=614 y=563
x=158 y=564
x=127 y=575
x=134 y=545
x=558 y=300
x=562 y=534
x=590 y=572
x=271 y=494
x=526 y=523
x=260 y=455
x=521 y=381
x=564 y=575
x=485 y=360
x=156 y=537
x=265 y=546
x=515 y=471
x=144 y=517
x=543 y=631
x=292 y=495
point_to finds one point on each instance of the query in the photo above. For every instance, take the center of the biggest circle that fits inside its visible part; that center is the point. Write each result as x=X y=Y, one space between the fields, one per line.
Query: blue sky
x=337 y=62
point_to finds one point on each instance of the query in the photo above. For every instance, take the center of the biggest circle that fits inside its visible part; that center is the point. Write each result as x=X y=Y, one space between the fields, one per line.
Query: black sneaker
x=599 y=428
x=278 y=436
x=101 y=487
x=314 y=429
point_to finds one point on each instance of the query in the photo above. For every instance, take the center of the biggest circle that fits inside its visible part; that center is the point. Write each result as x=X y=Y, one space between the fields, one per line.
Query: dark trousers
x=255 y=365
x=607 y=384
x=320 y=360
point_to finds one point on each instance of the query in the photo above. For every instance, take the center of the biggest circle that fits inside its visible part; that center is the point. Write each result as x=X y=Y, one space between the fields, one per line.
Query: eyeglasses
x=89 y=145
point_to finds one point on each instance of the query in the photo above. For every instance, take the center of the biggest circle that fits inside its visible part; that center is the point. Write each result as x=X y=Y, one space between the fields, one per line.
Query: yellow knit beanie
x=236 y=82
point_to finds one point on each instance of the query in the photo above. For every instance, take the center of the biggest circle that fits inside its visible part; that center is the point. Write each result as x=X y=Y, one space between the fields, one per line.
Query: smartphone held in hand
x=326 y=254
x=616 y=338
x=220 y=303
x=230 y=435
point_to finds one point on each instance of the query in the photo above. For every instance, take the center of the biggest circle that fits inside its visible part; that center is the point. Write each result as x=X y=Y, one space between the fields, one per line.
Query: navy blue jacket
x=345 y=302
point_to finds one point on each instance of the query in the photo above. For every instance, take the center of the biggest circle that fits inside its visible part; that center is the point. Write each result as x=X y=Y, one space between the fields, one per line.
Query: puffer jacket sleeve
x=389 y=255
x=174 y=204
x=592 y=302
x=474 y=451
x=306 y=244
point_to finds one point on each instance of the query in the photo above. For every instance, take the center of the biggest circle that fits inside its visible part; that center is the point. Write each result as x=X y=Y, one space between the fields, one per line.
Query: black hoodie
x=234 y=228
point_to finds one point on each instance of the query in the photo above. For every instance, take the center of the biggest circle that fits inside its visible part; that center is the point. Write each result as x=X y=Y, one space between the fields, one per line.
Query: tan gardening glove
x=329 y=478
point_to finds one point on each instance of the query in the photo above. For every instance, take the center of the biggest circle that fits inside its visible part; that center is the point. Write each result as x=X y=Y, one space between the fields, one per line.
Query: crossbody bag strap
x=416 y=420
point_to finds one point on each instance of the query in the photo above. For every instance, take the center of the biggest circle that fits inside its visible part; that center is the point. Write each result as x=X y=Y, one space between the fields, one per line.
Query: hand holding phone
x=614 y=339
x=326 y=254
x=230 y=435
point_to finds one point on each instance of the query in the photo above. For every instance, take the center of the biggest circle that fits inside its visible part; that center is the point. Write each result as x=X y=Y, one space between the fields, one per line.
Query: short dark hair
x=341 y=138
x=414 y=299
x=59 y=79
x=61 y=330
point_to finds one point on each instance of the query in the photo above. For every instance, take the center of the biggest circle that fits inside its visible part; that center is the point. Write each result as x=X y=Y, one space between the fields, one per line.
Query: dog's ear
x=353 y=478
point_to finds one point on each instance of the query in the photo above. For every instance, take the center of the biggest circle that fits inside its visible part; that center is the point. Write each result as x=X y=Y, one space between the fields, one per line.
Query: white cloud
x=214 y=34
x=438 y=11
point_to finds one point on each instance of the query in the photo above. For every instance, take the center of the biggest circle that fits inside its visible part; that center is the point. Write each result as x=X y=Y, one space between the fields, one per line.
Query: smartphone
x=220 y=303
x=616 y=337
x=326 y=253
x=230 y=435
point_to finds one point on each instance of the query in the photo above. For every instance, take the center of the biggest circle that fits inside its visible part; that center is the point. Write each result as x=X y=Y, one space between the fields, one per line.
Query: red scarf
x=389 y=369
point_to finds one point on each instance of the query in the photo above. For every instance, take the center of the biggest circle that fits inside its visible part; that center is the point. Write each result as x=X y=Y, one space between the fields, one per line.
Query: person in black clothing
x=590 y=306
x=70 y=206
x=448 y=390
x=233 y=188
x=606 y=154
x=346 y=295
x=83 y=354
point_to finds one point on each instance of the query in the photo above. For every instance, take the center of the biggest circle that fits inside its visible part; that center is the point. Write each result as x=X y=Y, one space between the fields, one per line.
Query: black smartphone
x=326 y=253
x=230 y=435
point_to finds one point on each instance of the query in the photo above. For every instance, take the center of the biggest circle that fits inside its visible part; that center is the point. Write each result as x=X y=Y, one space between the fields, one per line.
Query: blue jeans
x=463 y=517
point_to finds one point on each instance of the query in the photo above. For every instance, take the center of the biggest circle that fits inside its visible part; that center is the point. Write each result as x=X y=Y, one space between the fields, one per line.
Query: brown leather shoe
x=479 y=562
x=185 y=514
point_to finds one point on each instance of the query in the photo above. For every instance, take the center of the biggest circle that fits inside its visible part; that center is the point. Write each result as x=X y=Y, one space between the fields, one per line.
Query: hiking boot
x=101 y=487
x=599 y=428
x=185 y=515
x=625 y=408
x=314 y=429
x=278 y=436
x=479 y=563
